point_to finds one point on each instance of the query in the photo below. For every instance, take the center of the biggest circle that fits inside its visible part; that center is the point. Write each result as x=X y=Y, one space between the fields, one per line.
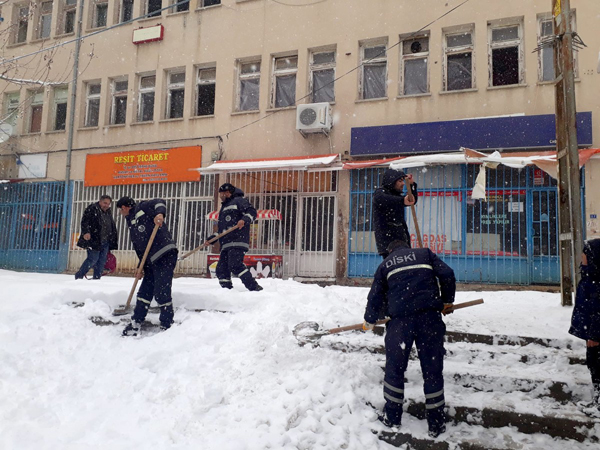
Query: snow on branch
x=23 y=81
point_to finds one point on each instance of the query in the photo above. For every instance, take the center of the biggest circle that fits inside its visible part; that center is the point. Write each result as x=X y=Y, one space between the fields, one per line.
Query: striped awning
x=261 y=214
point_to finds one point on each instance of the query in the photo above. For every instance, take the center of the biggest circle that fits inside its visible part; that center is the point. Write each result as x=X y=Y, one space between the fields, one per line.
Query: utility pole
x=65 y=241
x=570 y=226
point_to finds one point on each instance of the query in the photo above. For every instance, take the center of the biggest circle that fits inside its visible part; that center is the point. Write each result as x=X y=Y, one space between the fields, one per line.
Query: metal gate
x=187 y=205
x=306 y=233
x=30 y=220
x=511 y=237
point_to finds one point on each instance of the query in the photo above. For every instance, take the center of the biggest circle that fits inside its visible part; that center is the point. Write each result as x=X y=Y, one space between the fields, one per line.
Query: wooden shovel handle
x=411 y=198
x=205 y=244
x=142 y=262
x=358 y=326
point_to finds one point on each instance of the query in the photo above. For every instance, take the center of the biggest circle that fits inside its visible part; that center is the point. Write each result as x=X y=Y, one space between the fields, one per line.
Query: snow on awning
x=294 y=162
x=545 y=160
x=261 y=214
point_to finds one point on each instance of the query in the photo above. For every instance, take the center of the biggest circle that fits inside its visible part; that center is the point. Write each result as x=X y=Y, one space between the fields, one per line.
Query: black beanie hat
x=126 y=201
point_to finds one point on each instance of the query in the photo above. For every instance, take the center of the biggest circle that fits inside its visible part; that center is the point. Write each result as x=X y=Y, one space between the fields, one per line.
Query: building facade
x=232 y=79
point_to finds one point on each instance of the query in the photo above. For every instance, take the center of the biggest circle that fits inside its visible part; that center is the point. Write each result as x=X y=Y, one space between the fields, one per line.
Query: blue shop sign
x=516 y=132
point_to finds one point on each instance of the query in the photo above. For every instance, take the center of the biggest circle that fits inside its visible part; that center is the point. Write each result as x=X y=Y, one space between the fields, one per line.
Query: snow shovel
x=411 y=198
x=309 y=331
x=206 y=244
x=122 y=312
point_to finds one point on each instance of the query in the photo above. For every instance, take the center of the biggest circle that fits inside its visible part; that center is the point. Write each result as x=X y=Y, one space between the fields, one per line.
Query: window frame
x=363 y=46
x=410 y=57
x=88 y=99
x=506 y=23
x=201 y=4
x=55 y=104
x=248 y=76
x=198 y=82
x=321 y=67
x=141 y=92
x=174 y=86
x=20 y=19
x=276 y=73
x=33 y=105
x=120 y=11
x=175 y=9
x=40 y=19
x=95 y=4
x=10 y=110
x=67 y=9
x=117 y=95
x=547 y=17
x=146 y=9
x=458 y=50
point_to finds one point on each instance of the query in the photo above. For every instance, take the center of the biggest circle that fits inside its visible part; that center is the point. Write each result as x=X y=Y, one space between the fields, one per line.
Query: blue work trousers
x=427 y=331
x=157 y=283
x=231 y=261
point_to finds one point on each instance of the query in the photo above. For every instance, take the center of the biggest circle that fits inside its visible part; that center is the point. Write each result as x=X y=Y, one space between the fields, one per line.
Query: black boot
x=132 y=329
x=166 y=316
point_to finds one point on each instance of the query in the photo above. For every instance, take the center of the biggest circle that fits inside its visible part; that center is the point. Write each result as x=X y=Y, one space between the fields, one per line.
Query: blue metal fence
x=511 y=237
x=30 y=220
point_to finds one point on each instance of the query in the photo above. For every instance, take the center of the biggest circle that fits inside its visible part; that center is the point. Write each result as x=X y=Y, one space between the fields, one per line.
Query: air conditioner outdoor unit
x=314 y=118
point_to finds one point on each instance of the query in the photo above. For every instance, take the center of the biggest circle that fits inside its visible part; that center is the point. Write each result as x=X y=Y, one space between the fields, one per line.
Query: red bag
x=111 y=264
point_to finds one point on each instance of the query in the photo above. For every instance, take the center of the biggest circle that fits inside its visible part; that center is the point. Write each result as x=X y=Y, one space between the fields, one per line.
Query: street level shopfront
x=508 y=236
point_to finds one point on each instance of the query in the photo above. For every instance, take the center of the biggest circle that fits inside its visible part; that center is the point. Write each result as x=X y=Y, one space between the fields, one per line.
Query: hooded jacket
x=585 y=322
x=389 y=223
x=234 y=209
x=91 y=223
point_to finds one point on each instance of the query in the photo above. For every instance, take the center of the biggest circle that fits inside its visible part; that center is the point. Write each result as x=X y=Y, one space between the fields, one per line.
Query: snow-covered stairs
x=520 y=391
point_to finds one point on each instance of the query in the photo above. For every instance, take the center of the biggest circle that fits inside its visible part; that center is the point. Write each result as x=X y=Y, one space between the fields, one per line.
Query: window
x=36 y=109
x=45 y=20
x=205 y=91
x=458 y=61
x=249 y=86
x=175 y=94
x=373 y=74
x=68 y=16
x=118 y=109
x=92 y=104
x=146 y=98
x=153 y=8
x=414 y=73
x=22 y=21
x=283 y=84
x=99 y=13
x=205 y=3
x=185 y=6
x=322 y=76
x=60 y=108
x=505 y=55
x=11 y=108
x=126 y=11
x=546 y=53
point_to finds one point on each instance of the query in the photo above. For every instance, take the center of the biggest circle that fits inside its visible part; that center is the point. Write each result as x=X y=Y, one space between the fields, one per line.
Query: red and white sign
x=148 y=34
x=260 y=266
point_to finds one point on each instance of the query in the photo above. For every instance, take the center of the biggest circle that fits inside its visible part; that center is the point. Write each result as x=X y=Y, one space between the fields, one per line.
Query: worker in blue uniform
x=236 y=211
x=419 y=288
x=160 y=263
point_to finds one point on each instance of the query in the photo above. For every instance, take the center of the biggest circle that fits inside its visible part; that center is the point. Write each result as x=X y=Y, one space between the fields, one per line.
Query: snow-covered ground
x=229 y=381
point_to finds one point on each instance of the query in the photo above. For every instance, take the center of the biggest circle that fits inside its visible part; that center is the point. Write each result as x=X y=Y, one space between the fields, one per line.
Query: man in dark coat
x=160 y=262
x=418 y=287
x=98 y=237
x=585 y=323
x=389 y=203
x=235 y=211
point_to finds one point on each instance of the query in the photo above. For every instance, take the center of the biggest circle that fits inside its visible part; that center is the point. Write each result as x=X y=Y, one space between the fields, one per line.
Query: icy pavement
x=240 y=380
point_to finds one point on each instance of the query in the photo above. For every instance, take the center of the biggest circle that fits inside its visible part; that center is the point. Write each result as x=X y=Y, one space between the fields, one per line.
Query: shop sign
x=141 y=167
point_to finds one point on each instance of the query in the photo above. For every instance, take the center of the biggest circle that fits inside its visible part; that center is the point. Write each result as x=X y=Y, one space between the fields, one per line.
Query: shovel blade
x=121 y=311
x=308 y=332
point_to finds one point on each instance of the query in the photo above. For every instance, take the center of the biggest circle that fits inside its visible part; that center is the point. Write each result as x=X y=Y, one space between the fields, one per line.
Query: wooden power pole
x=569 y=191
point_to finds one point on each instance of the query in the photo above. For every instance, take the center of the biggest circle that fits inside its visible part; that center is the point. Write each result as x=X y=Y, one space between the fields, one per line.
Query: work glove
x=368 y=326
x=447 y=309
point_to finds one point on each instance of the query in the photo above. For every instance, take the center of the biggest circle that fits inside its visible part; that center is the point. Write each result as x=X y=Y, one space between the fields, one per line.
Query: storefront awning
x=294 y=162
x=545 y=160
x=261 y=214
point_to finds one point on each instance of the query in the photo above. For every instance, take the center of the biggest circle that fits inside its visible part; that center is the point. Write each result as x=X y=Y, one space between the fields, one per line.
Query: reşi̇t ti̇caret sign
x=145 y=166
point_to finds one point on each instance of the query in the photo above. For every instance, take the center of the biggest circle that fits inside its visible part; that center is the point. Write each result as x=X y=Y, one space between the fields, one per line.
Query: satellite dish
x=6 y=130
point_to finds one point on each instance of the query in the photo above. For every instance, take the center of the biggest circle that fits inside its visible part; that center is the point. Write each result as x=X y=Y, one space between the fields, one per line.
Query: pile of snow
x=215 y=380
